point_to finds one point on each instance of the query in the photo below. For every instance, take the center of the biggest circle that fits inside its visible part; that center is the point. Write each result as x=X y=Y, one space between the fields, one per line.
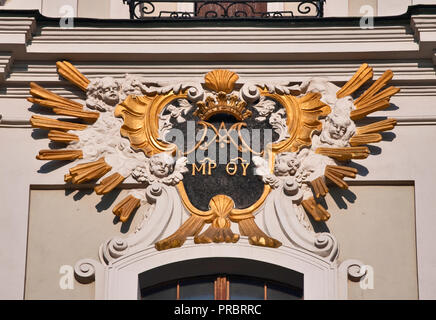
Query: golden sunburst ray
x=362 y=75
x=59 y=154
x=368 y=102
x=109 y=183
x=336 y=174
x=88 y=171
x=49 y=99
x=87 y=116
x=72 y=74
x=344 y=154
x=62 y=136
x=363 y=139
x=379 y=126
x=375 y=87
x=60 y=105
x=376 y=103
x=125 y=207
x=317 y=211
x=49 y=123
x=58 y=132
x=371 y=101
x=319 y=187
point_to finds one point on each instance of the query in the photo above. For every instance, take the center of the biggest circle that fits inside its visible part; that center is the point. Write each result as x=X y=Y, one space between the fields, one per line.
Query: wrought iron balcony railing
x=195 y=9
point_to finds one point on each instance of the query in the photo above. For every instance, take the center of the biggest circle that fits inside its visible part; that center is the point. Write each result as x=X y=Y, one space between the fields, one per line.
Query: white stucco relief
x=281 y=216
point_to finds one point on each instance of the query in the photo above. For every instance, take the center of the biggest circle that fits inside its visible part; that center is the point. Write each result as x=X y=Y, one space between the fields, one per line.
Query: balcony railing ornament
x=194 y=9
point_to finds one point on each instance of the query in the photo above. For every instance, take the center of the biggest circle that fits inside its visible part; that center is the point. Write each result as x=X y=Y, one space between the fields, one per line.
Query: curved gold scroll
x=141 y=121
x=302 y=119
x=141 y=126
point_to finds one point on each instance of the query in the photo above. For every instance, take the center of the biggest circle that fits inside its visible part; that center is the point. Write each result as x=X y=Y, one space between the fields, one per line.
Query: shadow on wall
x=341 y=198
x=106 y=202
x=52 y=166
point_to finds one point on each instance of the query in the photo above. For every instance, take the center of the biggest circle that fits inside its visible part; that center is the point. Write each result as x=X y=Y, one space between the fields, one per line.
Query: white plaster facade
x=30 y=46
x=115 y=9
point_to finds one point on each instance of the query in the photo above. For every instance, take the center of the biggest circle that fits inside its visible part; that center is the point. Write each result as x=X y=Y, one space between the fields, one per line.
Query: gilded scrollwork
x=127 y=120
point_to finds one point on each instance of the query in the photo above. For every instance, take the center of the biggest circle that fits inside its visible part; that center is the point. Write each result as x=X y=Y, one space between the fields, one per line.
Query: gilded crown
x=224 y=103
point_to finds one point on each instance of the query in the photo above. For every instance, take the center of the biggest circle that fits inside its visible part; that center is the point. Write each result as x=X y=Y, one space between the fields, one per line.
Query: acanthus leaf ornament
x=121 y=134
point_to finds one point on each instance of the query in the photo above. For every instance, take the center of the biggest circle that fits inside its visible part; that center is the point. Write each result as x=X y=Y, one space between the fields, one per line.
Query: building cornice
x=228 y=22
x=30 y=36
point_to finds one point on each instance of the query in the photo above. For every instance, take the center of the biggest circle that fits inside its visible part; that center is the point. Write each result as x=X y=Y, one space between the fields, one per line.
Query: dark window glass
x=197 y=289
x=280 y=292
x=239 y=288
x=161 y=292
x=246 y=289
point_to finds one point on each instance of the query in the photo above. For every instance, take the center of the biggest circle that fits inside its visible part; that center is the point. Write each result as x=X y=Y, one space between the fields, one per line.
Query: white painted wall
x=392 y=7
x=117 y=10
x=59 y=8
x=21 y=4
x=287 y=54
x=380 y=216
x=104 y=9
x=336 y=8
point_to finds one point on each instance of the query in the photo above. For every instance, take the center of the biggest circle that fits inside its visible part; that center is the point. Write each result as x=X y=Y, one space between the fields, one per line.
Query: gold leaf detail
x=48 y=99
x=223 y=105
x=190 y=227
x=344 y=154
x=108 y=184
x=317 y=211
x=336 y=175
x=88 y=171
x=61 y=136
x=375 y=87
x=70 y=72
x=48 y=123
x=362 y=75
x=221 y=205
x=302 y=119
x=371 y=101
x=87 y=116
x=257 y=237
x=368 y=109
x=59 y=155
x=219 y=231
x=217 y=235
x=221 y=80
x=141 y=121
x=378 y=126
x=319 y=187
x=362 y=139
x=125 y=208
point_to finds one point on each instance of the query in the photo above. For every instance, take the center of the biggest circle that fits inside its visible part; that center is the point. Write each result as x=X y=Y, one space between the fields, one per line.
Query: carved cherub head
x=109 y=91
x=338 y=129
x=337 y=126
x=286 y=164
x=161 y=165
x=162 y=168
x=103 y=94
x=131 y=86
